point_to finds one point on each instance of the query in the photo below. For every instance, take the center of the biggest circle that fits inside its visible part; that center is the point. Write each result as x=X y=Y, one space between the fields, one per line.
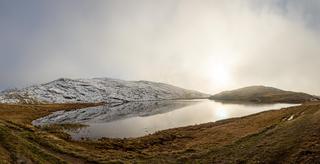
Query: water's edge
x=136 y=119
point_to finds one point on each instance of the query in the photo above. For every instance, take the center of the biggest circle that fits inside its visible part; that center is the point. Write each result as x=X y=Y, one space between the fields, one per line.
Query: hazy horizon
x=205 y=45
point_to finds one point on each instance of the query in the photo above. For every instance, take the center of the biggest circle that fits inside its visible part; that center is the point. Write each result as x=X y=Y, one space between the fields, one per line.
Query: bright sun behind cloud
x=220 y=75
x=219 y=72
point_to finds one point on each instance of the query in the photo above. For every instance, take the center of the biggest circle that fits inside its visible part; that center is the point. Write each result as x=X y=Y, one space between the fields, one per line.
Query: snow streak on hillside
x=97 y=90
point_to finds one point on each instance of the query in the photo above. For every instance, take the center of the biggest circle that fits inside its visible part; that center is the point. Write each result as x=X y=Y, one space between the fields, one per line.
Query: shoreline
x=205 y=142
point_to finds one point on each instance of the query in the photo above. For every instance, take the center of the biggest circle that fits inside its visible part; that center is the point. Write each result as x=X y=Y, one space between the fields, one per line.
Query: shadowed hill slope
x=263 y=94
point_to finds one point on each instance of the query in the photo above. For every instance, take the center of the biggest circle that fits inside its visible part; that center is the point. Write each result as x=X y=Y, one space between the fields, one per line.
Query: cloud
x=180 y=42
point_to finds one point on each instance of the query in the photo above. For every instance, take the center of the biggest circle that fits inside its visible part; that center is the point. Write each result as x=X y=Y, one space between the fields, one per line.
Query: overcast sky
x=206 y=45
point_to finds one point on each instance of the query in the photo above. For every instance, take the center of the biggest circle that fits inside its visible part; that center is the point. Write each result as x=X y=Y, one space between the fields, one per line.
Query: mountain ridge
x=66 y=90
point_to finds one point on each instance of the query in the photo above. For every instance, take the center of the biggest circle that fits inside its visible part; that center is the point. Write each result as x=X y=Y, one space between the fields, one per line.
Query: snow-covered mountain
x=97 y=90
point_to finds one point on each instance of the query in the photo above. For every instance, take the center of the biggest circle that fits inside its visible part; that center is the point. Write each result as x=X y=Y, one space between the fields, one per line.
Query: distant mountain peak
x=65 y=90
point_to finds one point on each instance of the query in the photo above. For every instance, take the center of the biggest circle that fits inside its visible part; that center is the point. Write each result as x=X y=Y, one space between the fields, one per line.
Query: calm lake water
x=141 y=118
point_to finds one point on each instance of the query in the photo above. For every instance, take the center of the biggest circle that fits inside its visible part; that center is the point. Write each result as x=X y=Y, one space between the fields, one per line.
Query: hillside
x=97 y=90
x=263 y=94
x=289 y=135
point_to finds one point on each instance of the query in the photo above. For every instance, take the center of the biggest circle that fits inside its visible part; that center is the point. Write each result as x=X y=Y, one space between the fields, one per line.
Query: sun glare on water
x=221 y=113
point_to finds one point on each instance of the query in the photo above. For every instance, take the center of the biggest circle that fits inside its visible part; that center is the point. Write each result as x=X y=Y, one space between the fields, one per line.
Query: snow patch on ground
x=291 y=117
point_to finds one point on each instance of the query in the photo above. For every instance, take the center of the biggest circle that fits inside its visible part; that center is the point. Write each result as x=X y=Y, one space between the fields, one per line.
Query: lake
x=137 y=119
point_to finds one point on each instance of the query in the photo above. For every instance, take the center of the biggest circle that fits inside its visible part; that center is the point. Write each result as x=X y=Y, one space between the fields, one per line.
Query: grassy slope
x=262 y=94
x=267 y=136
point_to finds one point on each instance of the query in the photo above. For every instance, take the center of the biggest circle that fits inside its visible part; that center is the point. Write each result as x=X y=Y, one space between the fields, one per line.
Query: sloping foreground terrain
x=97 y=90
x=288 y=135
x=263 y=94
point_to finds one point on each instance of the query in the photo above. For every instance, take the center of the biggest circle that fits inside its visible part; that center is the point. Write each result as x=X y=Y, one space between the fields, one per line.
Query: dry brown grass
x=262 y=136
x=25 y=113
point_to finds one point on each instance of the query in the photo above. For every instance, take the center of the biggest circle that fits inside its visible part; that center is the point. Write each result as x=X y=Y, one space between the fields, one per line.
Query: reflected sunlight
x=222 y=113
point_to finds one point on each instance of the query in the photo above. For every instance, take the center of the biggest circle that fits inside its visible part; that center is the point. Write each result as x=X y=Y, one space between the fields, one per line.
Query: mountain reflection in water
x=136 y=119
